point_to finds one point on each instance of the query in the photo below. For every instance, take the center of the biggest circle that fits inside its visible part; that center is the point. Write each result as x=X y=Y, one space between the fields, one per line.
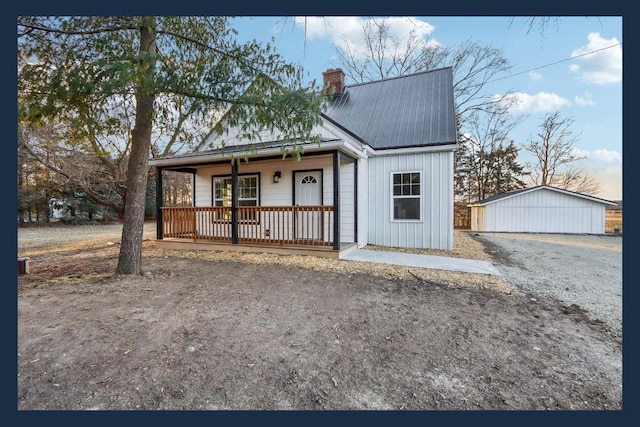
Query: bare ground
x=219 y=331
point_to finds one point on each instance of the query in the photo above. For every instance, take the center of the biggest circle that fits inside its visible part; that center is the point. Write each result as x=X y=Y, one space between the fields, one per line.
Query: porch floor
x=318 y=251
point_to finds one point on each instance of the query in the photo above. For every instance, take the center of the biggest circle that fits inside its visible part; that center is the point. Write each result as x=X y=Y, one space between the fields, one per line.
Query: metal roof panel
x=406 y=111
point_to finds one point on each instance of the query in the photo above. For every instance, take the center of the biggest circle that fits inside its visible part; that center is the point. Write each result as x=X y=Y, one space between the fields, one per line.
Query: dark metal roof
x=539 y=187
x=408 y=111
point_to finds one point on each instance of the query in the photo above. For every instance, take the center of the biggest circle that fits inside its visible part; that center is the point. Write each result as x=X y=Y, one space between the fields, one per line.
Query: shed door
x=308 y=192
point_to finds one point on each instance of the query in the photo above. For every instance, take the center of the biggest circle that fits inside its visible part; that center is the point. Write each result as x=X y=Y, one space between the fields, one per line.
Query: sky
x=574 y=67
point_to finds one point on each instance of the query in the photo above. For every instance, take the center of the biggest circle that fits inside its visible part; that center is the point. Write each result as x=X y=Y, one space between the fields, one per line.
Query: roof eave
x=199 y=159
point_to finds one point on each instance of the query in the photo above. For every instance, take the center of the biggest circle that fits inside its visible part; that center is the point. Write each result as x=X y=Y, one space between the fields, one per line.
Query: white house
x=382 y=175
x=541 y=209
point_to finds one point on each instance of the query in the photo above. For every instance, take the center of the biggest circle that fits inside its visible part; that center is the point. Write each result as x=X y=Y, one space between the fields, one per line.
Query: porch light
x=277 y=176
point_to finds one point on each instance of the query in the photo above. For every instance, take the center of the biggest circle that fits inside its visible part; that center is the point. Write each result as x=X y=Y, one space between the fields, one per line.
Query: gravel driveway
x=585 y=270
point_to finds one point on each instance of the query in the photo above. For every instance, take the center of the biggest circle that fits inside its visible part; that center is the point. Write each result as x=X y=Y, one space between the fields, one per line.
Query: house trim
x=261 y=154
x=364 y=150
x=355 y=201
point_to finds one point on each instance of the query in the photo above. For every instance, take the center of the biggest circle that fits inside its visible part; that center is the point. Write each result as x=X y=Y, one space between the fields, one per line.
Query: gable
x=526 y=192
x=233 y=137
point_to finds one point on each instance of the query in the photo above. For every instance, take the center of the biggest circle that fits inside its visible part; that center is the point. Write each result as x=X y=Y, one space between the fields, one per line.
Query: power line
x=554 y=63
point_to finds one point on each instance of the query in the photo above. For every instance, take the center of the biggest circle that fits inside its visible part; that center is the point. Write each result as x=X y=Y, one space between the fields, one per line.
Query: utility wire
x=554 y=63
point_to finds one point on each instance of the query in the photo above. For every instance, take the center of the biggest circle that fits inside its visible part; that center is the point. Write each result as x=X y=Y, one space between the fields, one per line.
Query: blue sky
x=587 y=89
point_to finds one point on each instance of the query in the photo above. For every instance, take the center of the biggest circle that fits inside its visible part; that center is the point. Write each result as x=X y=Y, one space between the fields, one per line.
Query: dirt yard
x=219 y=331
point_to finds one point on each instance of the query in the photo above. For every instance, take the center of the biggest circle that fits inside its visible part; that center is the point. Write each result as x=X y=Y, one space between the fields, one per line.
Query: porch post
x=234 y=201
x=336 y=200
x=159 y=200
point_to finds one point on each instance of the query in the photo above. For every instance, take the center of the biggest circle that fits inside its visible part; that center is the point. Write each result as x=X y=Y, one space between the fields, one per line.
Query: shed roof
x=408 y=111
x=515 y=193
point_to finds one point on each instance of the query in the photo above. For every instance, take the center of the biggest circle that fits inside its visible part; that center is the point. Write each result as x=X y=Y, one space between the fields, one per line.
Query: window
x=309 y=180
x=248 y=194
x=406 y=196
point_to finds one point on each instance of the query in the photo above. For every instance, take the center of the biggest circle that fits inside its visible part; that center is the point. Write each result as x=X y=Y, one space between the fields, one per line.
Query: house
x=381 y=175
x=541 y=209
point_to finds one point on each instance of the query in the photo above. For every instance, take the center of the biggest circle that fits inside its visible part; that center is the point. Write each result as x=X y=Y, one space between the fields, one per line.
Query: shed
x=541 y=209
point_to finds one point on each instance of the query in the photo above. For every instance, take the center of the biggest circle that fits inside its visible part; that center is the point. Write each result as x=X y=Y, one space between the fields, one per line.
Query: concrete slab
x=423 y=261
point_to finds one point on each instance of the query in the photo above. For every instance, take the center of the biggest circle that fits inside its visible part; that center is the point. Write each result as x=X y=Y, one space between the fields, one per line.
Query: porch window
x=406 y=196
x=248 y=194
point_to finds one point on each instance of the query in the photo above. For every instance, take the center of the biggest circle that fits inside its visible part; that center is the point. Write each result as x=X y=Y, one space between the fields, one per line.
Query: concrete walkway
x=422 y=261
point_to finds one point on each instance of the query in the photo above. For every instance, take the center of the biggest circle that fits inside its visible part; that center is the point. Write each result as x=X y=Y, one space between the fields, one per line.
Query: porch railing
x=274 y=225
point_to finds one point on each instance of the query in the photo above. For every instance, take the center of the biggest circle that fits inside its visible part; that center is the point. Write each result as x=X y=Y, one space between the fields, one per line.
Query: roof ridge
x=398 y=77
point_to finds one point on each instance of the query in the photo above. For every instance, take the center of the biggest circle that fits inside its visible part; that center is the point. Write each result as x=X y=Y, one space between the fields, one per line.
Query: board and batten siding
x=363 y=202
x=271 y=194
x=435 y=228
x=347 y=201
x=542 y=211
x=281 y=193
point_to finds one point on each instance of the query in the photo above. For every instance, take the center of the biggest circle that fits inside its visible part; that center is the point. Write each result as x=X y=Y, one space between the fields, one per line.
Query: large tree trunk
x=130 y=259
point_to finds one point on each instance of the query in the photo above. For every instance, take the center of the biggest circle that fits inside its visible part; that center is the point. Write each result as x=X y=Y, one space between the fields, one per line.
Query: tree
x=486 y=163
x=116 y=79
x=505 y=173
x=382 y=56
x=555 y=156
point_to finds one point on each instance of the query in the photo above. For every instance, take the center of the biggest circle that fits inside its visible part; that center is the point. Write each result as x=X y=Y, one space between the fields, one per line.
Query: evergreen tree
x=117 y=80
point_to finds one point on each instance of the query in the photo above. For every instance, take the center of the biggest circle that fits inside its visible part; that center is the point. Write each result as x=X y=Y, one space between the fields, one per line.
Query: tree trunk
x=130 y=259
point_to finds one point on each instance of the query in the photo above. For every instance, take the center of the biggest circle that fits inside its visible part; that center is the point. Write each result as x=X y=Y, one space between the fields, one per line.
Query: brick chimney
x=333 y=81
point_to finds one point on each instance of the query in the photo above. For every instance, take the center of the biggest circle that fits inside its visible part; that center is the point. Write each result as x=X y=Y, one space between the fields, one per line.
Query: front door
x=308 y=192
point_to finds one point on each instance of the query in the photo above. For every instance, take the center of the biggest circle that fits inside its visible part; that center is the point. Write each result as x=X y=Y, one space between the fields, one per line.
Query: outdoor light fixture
x=277 y=176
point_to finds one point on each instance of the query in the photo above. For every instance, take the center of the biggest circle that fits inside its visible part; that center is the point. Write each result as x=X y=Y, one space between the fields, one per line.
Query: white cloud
x=343 y=30
x=541 y=102
x=584 y=101
x=535 y=76
x=602 y=155
x=607 y=155
x=601 y=67
x=581 y=153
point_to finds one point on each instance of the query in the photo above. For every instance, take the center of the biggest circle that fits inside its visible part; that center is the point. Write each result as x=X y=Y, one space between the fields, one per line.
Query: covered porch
x=266 y=204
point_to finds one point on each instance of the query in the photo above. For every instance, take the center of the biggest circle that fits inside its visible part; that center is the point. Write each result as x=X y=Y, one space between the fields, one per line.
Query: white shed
x=541 y=209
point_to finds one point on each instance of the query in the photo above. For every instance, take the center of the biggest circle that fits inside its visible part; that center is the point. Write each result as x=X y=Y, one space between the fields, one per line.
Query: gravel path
x=585 y=270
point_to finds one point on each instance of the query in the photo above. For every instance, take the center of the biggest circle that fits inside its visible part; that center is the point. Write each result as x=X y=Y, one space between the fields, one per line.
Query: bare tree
x=555 y=154
x=577 y=179
x=486 y=163
x=382 y=56
x=538 y=24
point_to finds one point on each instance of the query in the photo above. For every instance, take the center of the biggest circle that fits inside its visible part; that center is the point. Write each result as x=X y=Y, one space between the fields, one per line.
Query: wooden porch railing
x=274 y=225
